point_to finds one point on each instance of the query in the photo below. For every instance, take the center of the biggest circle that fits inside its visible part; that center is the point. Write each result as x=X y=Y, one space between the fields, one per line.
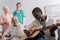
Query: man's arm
x=56 y=34
x=39 y=27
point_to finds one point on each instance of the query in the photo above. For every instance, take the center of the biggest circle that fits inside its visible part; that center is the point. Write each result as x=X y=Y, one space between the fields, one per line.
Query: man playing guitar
x=35 y=31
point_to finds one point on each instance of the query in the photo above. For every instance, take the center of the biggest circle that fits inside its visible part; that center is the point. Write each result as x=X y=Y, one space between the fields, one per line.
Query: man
x=19 y=13
x=39 y=18
x=15 y=30
x=57 y=32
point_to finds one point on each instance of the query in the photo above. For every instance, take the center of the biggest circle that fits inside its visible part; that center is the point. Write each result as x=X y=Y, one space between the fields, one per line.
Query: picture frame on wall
x=52 y=10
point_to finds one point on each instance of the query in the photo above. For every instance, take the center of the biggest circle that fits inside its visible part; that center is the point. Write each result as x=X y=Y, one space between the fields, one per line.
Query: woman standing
x=5 y=18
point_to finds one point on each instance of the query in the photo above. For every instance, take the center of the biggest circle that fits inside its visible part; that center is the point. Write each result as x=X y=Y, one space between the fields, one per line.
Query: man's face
x=37 y=16
x=18 y=6
x=15 y=21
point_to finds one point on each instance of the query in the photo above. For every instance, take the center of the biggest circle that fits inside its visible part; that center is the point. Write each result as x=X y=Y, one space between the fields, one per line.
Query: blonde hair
x=6 y=7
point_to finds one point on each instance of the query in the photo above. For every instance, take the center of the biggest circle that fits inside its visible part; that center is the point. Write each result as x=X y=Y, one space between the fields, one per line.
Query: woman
x=5 y=17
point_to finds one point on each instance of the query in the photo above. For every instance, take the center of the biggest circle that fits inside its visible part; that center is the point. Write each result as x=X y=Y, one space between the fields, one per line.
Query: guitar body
x=32 y=36
x=31 y=29
x=35 y=34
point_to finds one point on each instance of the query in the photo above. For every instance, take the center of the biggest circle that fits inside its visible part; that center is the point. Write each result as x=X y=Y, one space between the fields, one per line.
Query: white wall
x=27 y=6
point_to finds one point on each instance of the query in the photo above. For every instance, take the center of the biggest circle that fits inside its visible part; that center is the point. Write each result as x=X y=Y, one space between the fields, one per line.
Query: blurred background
x=28 y=6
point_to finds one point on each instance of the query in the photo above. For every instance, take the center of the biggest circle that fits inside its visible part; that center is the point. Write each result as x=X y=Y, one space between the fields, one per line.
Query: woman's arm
x=3 y=36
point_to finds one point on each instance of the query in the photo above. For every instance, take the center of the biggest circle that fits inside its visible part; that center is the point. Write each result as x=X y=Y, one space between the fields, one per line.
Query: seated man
x=15 y=30
x=38 y=23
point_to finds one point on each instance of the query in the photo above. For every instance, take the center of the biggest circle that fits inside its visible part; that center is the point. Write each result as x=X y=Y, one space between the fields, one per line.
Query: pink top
x=4 y=18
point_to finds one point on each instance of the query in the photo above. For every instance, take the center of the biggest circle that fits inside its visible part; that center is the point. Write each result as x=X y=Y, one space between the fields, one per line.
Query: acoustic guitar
x=31 y=33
